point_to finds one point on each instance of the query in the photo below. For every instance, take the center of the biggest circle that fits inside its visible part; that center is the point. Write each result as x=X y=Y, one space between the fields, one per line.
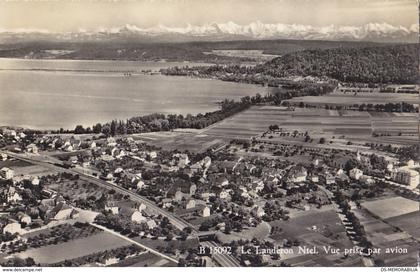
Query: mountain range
x=374 y=32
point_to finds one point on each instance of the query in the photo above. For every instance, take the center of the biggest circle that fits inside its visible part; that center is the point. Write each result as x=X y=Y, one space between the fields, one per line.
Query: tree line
x=388 y=107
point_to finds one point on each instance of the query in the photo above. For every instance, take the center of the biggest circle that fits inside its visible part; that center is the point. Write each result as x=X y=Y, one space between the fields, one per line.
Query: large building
x=7 y=173
x=406 y=176
x=355 y=173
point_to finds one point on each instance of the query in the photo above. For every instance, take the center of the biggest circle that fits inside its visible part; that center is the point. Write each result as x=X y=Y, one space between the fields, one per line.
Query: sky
x=75 y=15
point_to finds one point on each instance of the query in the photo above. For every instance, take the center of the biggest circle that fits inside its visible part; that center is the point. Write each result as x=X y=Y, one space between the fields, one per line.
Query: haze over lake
x=49 y=94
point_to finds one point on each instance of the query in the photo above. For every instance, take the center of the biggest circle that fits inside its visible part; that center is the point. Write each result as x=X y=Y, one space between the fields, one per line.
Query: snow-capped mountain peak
x=253 y=30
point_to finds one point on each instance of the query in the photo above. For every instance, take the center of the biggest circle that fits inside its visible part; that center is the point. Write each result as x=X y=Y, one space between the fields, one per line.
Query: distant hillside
x=397 y=64
x=190 y=51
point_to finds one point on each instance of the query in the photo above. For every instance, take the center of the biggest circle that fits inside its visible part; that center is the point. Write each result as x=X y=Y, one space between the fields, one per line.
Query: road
x=368 y=262
x=45 y=161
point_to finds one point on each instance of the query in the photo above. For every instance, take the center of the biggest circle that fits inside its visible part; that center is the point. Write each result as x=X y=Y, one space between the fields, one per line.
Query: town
x=151 y=203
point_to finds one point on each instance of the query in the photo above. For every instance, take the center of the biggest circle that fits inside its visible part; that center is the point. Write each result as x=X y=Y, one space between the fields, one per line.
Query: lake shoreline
x=32 y=94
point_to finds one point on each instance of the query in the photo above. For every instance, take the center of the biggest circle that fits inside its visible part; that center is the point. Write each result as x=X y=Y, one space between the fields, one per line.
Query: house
x=113 y=209
x=111 y=141
x=111 y=261
x=12 y=228
x=247 y=263
x=205 y=212
x=34 y=180
x=327 y=178
x=340 y=162
x=58 y=199
x=221 y=226
x=167 y=203
x=118 y=171
x=411 y=164
x=152 y=155
x=109 y=177
x=367 y=179
x=342 y=177
x=68 y=148
x=32 y=148
x=406 y=176
x=179 y=196
x=224 y=194
x=314 y=178
x=258 y=186
x=151 y=224
x=24 y=218
x=10 y=132
x=114 y=151
x=3 y=156
x=137 y=217
x=193 y=189
x=205 y=196
x=121 y=154
x=13 y=195
x=140 y=184
x=190 y=204
x=107 y=158
x=206 y=162
x=244 y=191
x=355 y=173
x=7 y=173
x=142 y=207
x=183 y=160
x=298 y=174
x=63 y=212
x=73 y=159
x=222 y=182
x=93 y=145
x=48 y=193
x=258 y=211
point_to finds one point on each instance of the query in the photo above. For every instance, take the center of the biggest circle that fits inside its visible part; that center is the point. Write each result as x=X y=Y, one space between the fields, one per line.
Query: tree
x=113 y=127
x=97 y=128
x=169 y=237
x=322 y=140
x=79 y=129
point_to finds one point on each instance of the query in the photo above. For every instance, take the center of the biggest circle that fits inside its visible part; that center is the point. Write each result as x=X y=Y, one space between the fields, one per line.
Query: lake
x=49 y=94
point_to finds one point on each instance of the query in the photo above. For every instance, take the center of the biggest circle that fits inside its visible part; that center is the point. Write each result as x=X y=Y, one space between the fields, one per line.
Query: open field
x=386 y=236
x=178 y=244
x=14 y=164
x=301 y=225
x=316 y=121
x=391 y=207
x=74 y=249
x=145 y=259
x=318 y=228
x=360 y=98
x=32 y=170
x=408 y=222
x=354 y=125
x=259 y=232
x=190 y=140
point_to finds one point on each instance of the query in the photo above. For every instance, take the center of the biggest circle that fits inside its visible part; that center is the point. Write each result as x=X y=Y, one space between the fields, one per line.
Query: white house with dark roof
x=7 y=173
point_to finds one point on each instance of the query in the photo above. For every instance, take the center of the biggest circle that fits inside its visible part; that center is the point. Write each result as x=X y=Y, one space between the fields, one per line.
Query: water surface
x=49 y=94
